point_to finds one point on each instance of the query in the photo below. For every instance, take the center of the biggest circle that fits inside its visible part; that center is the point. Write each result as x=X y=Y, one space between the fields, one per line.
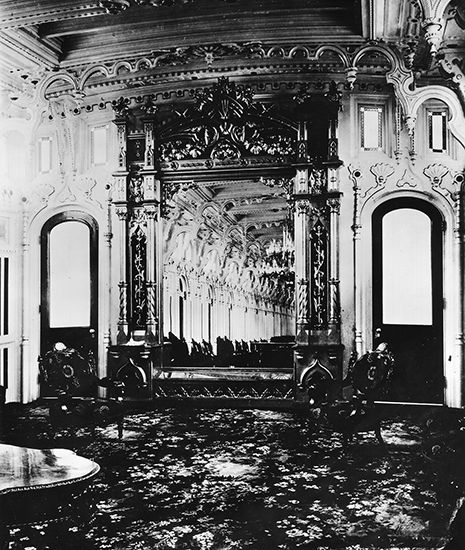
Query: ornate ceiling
x=38 y=37
x=97 y=50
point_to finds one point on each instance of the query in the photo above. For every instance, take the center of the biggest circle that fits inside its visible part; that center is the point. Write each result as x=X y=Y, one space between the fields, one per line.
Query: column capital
x=151 y=212
x=334 y=206
x=122 y=213
x=302 y=205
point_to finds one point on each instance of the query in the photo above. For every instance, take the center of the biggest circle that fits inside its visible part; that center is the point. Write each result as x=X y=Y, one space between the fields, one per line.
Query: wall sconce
x=433 y=34
x=351 y=76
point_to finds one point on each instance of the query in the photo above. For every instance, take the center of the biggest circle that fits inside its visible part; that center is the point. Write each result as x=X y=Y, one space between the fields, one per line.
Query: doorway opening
x=408 y=295
x=69 y=284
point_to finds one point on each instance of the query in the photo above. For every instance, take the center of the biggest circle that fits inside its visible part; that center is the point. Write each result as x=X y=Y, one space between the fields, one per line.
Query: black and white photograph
x=232 y=274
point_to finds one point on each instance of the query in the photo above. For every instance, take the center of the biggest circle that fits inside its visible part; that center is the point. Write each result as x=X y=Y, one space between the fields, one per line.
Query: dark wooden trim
x=436 y=255
x=72 y=215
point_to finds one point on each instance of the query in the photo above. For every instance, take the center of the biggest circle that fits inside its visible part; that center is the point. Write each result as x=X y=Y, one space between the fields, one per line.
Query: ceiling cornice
x=14 y=14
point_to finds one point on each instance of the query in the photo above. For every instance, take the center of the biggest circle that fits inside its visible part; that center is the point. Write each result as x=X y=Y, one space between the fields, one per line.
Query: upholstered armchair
x=368 y=380
x=70 y=377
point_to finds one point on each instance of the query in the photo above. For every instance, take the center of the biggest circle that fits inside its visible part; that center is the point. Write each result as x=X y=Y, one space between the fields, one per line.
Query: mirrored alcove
x=228 y=265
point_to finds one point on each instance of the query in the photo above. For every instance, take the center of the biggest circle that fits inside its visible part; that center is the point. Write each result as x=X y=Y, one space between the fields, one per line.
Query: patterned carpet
x=252 y=479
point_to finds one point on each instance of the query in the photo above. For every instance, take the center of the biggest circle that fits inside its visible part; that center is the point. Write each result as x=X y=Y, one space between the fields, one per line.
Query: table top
x=23 y=469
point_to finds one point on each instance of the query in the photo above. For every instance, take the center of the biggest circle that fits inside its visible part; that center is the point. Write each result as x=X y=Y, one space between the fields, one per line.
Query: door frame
x=453 y=329
x=436 y=244
x=57 y=219
x=437 y=260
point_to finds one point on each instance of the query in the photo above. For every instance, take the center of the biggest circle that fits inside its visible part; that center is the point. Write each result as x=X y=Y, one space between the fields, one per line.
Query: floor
x=252 y=479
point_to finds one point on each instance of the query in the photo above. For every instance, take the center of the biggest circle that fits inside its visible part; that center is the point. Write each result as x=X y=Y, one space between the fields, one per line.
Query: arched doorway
x=408 y=295
x=69 y=283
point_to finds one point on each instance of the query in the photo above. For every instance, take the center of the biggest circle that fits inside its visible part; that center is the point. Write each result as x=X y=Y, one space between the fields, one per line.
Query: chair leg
x=379 y=436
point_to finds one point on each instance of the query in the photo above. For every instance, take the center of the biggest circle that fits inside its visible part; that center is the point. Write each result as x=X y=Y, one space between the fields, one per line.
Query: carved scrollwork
x=138 y=218
x=138 y=278
x=226 y=124
x=435 y=173
x=120 y=107
x=285 y=184
x=44 y=191
x=86 y=186
x=170 y=191
x=382 y=171
x=318 y=214
x=408 y=179
x=136 y=188
x=317 y=181
x=319 y=270
x=114 y=7
x=149 y=107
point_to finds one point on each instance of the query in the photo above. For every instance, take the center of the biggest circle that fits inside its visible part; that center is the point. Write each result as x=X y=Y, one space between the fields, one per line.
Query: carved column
x=302 y=209
x=108 y=236
x=355 y=175
x=458 y=397
x=318 y=354
x=25 y=393
x=151 y=332
x=122 y=336
x=334 y=300
x=301 y=218
x=152 y=199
